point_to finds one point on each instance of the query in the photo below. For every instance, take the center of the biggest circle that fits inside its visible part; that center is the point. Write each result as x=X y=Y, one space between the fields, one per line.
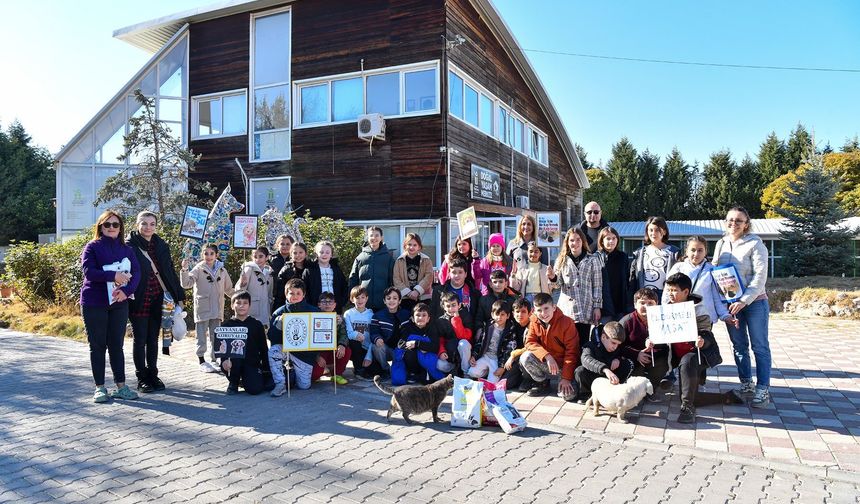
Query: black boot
x=143 y=383
x=155 y=381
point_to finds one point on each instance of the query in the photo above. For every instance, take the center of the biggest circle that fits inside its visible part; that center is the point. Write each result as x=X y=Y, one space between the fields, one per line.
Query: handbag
x=398 y=368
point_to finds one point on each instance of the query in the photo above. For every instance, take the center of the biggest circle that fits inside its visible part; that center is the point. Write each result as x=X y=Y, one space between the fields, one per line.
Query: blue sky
x=62 y=65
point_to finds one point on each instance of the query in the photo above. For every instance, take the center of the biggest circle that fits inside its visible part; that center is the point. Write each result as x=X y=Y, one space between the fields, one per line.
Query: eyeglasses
x=327 y=301
x=735 y=221
x=591 y=212
x=111 y=224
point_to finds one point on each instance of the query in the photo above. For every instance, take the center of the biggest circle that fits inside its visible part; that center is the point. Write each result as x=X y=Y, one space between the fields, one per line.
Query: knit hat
x=496 y=239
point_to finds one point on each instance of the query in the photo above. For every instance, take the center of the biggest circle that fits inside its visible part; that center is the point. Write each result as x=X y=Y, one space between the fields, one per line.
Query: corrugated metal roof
x=766 y=228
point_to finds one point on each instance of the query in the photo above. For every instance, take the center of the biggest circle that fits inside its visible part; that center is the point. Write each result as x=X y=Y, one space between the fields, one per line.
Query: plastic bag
x=494 y=393
x=398 y=368
x=467 y=405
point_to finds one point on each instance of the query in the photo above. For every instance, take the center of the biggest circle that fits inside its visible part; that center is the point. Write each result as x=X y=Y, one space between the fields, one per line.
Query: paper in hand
x=123 y=266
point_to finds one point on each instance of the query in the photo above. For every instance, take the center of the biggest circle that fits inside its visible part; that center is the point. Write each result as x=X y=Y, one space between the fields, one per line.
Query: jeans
x=382 y=354
x=145 y=350
x=105 y=328
x=752 y=331
x=689 y=374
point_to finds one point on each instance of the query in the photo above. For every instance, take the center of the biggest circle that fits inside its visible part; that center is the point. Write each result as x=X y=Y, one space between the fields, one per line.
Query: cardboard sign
x=468 y=222
x=672 y=323
x=729 y=282
x=309 y=331
x=548 y=229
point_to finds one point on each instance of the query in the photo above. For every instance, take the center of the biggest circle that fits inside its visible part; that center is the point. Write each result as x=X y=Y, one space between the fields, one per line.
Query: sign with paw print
x=309 y=331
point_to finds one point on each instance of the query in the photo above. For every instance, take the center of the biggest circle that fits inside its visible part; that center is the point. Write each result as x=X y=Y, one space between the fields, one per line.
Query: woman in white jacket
x=256 y=278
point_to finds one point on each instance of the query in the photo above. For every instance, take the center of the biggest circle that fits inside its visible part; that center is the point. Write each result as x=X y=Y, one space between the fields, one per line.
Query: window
x=486 y=118
x=455 y=95
x=428 y=239
x=517 y=141
x=471 y=106
x=270 y=50
x=219 y=115
x=503 y=126
x=315 y=103
x=347 y=99
x=383 y=94
x=420 y=90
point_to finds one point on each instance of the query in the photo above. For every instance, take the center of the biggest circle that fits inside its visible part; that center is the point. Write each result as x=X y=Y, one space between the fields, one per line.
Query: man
x=592 y=224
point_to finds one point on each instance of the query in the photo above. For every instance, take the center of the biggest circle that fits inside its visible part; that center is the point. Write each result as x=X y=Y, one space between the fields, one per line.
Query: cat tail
x=385 y=389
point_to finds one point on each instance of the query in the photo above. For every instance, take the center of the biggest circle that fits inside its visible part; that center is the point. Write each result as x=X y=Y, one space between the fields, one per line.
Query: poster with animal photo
x=194 y=222
x=548 y=229
x=468 y=221
x=231 y=342
x=309 y=331
x=245 y=231
x=729 y=282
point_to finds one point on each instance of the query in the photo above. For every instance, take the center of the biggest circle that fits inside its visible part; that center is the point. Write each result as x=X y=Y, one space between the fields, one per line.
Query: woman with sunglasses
x=211 y=284
x=111 y=274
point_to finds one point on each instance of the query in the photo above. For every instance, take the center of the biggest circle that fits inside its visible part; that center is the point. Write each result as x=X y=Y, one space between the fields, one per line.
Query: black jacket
x=583 y=226
x=596 y=358
x=616 y=299
x=256 y=351
x=277 y=262
x=485 y=305
x=510 y=340
x=287 y=273
x=313 y=283
x=163 y=262
x=437 y=310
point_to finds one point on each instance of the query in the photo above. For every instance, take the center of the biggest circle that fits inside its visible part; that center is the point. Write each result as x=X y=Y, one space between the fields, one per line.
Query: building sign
x=486 y=185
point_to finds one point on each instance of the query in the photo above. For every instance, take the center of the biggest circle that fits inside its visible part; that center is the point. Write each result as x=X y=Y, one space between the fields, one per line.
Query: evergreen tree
x=27 y=183
x=851 y=145
x=719 y=186
x=815 y=244
x=583 y=157
x=749 y=187
x=798 y=142
x=604 y=191
x=676 y=188
x=621 y=168
x=771 y=159
x=648 y=191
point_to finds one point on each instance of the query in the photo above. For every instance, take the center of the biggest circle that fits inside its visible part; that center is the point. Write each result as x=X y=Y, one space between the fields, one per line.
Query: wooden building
x=275 y=88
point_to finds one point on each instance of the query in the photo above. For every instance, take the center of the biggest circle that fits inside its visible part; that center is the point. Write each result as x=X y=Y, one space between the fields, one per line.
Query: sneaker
x=761 y=399
x=340 y=380
x=158 y=385
x=665 y=384
x=101 y=395
x=654 y=398
x=231 y=390
x=145 y=387
x=526 y=384
x=207 y=367
x=540 y=389
x=279 y=390
x=746 y=390
x=363 y=375
x=124 y=393
x=688 y=413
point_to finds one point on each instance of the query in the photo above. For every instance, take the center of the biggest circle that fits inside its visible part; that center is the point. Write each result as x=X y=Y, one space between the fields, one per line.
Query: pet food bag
x=467 y=405
x=494 y=393
x=508 y=417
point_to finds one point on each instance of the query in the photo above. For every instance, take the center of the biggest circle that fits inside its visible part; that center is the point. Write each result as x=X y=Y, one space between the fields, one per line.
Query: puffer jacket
x=260 y=284
x=373 y=269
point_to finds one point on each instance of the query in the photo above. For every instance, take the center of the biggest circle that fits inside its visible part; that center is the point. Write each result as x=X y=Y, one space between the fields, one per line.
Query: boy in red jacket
x=552 y=349
x=455 y=337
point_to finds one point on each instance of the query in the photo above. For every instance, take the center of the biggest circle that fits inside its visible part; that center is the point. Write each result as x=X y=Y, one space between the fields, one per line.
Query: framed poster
x=245 y=231
x=467 y=220
x=729 y=282
x=672 y=323
x=309 y=331
x=194 y=222
x=548 y=229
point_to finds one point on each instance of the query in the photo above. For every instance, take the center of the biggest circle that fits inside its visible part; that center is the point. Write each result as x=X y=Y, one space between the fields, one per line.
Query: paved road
x=194 y=444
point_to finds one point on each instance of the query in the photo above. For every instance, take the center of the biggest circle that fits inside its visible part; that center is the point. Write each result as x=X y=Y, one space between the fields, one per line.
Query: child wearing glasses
x=256 y=278
x=211 y=284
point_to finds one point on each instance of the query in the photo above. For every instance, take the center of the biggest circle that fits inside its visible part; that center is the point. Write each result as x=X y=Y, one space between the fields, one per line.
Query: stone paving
x=192 y=443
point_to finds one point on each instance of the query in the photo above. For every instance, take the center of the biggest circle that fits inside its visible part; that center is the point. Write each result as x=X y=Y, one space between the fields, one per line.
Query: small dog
x=414 y=399
x=619 y=398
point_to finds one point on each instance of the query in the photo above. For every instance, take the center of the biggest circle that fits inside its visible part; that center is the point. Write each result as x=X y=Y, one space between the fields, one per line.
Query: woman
x=413 y=273
x=211 y=284
x=652 y=261
x=157 y=275
x=579 y=277
x=614 y=265
x=111 y=273
x=324 y=275
x=749 y=255
x=518 y=247
x=462 y=249
x=373 y=269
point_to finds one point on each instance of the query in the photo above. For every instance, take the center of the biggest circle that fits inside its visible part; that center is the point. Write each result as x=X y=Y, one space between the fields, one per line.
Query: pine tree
x=583 y=157
x=749 y=187
x=815 y=244
x=676 y=188
x=648 y=194
x=851 y=145
x=719 y=186
x=604 y=191
x=621 y=168
x=798 y=142
x=771 y=159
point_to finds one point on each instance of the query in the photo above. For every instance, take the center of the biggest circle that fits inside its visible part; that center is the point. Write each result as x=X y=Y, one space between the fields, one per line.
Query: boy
x=302 y=362
x=603 y=358
x=455 y=337
x=636 y=328
x=420 y=338
x=241 y=343
x=385 y=329
x=492 y=342
x=357 y=321
x=552 y=349
x=499 y=289
x=327 y=303
x=509 y=357
x=469 y=297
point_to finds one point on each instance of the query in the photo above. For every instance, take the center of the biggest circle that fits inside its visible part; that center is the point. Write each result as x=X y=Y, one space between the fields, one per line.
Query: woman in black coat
x=145 y=309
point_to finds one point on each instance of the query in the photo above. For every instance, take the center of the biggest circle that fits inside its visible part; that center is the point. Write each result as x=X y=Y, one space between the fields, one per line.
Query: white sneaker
x=208 y=368
x=279 y=390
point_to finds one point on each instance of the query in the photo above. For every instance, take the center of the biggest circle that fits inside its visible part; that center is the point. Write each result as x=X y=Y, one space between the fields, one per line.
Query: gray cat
x=414 y=399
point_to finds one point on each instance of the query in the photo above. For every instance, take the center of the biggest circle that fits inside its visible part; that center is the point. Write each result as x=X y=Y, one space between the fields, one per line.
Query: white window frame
x=404 y=223
x=260 y=179
x=328 y=79
x=252 y=88
x=195 y=101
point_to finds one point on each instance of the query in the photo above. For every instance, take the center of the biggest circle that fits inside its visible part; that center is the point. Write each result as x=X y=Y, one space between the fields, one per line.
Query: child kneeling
x=603 y=359
x=241 y=345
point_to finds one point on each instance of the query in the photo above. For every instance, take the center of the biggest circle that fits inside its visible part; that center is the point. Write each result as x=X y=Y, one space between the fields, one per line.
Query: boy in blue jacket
x=385 y=329
x=302 y=363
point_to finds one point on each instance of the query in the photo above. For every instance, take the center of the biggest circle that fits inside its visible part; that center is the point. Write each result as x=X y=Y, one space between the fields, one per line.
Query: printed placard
x=548 y=229
x=672 y=323
x=231 y=342
x=245 y=231
x=468 y=221
x=309 y=331
x=194 y=222
x=729 y=282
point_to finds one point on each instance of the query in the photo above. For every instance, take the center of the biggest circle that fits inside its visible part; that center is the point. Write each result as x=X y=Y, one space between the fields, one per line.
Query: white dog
x=619 y=398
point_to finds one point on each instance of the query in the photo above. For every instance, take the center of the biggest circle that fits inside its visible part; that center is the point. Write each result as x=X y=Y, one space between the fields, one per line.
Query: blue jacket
x=383 y=326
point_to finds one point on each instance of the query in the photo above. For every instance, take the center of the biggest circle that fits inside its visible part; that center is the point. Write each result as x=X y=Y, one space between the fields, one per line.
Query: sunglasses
x=111 y=224
x=592 y=212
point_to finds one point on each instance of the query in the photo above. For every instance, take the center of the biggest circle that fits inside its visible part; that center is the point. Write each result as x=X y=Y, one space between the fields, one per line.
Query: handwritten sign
x=309 y=331
x=486 y=184
x=468 y=222
x=672 y=323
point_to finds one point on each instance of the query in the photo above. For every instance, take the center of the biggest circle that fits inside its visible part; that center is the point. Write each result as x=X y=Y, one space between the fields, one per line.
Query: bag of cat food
x=494 y=393
x=508 y=417
x=467 y=405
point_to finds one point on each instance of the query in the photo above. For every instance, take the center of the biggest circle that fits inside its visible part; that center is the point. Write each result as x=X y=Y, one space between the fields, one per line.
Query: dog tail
x=384 y=388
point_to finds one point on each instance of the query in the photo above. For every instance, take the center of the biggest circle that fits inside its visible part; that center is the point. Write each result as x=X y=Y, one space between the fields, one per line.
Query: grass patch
x=814 y=289
x=62 y=321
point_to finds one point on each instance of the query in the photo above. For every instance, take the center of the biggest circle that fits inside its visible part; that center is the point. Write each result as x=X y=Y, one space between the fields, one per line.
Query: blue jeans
x=752 y=331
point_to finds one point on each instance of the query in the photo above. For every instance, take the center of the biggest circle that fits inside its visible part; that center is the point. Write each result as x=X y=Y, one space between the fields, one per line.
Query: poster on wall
x=245 y=231
x=468 y=221
x=548 y=229
x=193 y=222
x=269 y=193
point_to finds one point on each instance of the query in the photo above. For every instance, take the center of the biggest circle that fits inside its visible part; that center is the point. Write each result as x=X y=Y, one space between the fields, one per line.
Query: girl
x=653 y=260
x=699 y=270
x=614 y=263
x=497 y=259
x=324 y=275
x=211 y=284
x=535 y=277
x=256 y=278
x=518 y=247
x=580 y=279
x=292 y=269
x=104 y=304
x=413 y=273
x=749 y=255
x=462 y=249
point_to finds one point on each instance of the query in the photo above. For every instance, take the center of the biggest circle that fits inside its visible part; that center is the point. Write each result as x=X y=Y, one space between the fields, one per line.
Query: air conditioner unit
x=523 y=201
x=371 y=127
